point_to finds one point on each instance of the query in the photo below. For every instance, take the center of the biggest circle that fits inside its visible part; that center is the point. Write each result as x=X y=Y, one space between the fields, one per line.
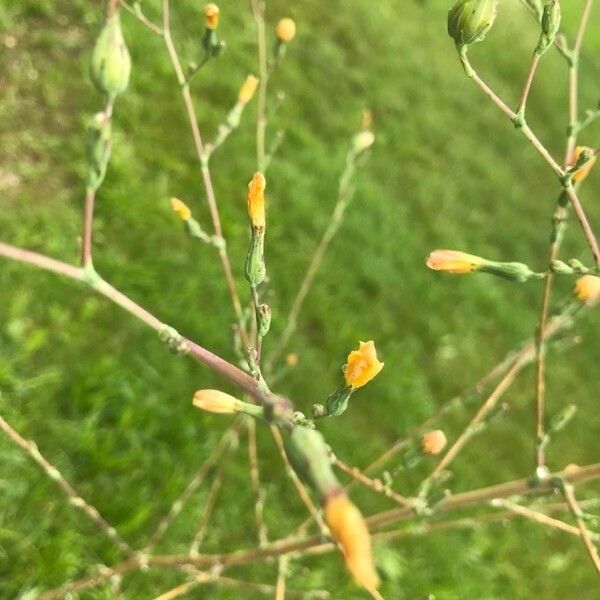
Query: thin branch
x=257 y=488
x=569 y=494
x=527 y=86
x=282 y=564
x=91 y=512
x=136 y=11
x=258 y=10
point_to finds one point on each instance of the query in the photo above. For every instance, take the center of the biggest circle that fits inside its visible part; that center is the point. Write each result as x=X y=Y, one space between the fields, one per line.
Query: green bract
x=111 y=63
x=470 y=20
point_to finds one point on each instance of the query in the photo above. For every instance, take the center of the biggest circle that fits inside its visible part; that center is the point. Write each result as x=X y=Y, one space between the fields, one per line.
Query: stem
x=258 y=10
x=206 y=177
x=88 y=217
x=569 y=495
x=75 y=499
x=527 y=87
x=257 y=488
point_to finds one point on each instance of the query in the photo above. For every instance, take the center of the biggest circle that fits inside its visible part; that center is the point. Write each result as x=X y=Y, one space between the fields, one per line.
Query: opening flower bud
x=470 y=20
x=362 y=365
x=583 y=171
x=211 y=16
x=348 y=527
x=248 y=89
x=454 y=261
x=286 y=30
x=111 y=64
x=181 y=209
x=587 y=289
x=433 y=442
x=216 y=402
x=256 y=200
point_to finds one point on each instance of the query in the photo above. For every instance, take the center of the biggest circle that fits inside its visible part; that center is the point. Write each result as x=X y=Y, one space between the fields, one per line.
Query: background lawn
x=111 y=407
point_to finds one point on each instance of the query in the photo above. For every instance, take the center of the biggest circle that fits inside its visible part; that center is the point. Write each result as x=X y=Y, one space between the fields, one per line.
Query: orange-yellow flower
x=291 y=360
x=181 y=208
x=453 y=261
x=216 y=402
x=433 y=442
x=587 y=289
x=362 y=365
x=247 y=90
x=348 y=527
x=211 y=16
x=256 y=199
x=583 y=171
x=286 y=30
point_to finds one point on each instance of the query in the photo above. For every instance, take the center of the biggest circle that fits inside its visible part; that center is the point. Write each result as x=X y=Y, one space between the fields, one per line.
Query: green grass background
x=109 y=405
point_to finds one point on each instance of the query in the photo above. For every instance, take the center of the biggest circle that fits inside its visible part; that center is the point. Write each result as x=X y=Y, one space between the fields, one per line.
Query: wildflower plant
x=307 y=459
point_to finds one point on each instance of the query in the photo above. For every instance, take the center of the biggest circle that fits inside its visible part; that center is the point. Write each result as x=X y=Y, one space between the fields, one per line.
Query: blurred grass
x=106 y=403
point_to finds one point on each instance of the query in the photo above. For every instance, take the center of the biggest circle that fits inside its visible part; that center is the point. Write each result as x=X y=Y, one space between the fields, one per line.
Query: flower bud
x=286 y=30
x=181 y=209
x=349 y=528
x=247 y=90
x=211 y=16
x=362 y=365
x=309 y=456
x=216 y=402
x=98 y=146
x=470 y=20
x=550 y=25
x=583 y=158
x=264 y=319
x=454 y=261
x=256 y=200
x=587 y=289
x=111 y=64
x=433 y=442
x=291 y=360
x=363 y=141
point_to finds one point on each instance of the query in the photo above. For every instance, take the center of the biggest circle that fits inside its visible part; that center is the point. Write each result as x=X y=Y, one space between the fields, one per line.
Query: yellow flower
x=362 y=365
x=216 y=402
x=348 y=527
x=211 y=16
x=247 y=90
x=587 y=289
x=433 y=442
x=181 y=208
x=286 y=30
x=256 y=200
x=583 y=171
x=453 y=261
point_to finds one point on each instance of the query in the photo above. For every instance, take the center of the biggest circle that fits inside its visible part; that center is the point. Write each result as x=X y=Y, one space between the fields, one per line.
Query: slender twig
x=281 y=577
x=374 y=484
x=258 y=10
x=204 y=167
x=179 y=342
x=527 y=86
x=257 y=488
x=569 y=494
x=345 y=192
x=91 y=512
x=137 y=12
x=228 y=439
x=519 y=487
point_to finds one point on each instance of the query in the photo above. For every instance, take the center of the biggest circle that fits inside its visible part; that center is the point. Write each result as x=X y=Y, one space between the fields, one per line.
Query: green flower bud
x=255 y=268
x=309 y=458
x=111 y=63
x=337 y=402
x=470 y=20
x=550 y=26
x=513 y=271
x=560 y=267
x=97 y=147
x=263 y=314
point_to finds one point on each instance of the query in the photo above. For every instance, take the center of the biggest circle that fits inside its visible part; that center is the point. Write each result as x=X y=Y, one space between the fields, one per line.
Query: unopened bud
x=98 y=145
x=248 y=89
x=111 y=64
x=470 y=20
x=211 y=16
x=587 y=289
x=433 y=442
x=286 y=30
x=582 y=161
x=363 y=141
x=181 y=209
x=550 y=25
x=264 y=319
x=216 y=402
